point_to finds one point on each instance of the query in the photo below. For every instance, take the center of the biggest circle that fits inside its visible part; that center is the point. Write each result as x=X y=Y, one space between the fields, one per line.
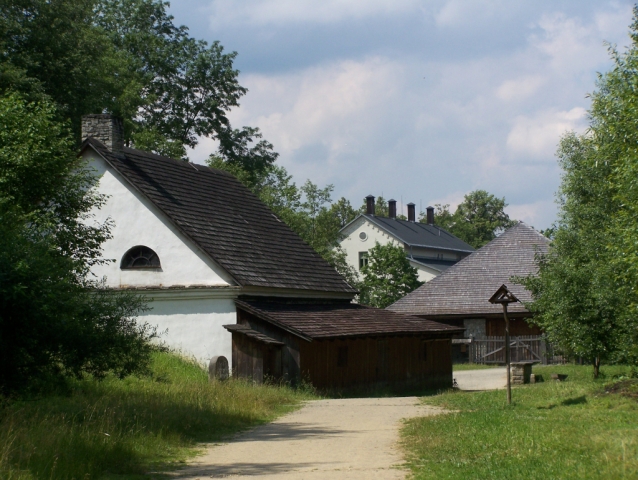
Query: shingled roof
x=416 y=234
x=313 y=320
x=465 y=288
x=226 y=220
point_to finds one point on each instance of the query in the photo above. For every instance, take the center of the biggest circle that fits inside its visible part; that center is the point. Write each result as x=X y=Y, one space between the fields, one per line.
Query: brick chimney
x=106 y=128
x=392 y=208
x=370 y=204
x=430 y=215
x=411 y=212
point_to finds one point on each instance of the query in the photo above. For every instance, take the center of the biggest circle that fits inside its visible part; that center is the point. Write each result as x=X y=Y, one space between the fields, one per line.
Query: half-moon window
x=140 y=257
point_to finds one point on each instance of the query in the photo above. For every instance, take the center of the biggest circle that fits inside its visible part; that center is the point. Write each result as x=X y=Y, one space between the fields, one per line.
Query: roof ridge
x=226 y=221
x=501 y=248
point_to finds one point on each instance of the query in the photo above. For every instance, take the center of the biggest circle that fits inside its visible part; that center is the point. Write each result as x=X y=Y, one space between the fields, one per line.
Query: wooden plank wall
x=391 y=361
x=495 y=327
x=248 y=359
x=289 y=357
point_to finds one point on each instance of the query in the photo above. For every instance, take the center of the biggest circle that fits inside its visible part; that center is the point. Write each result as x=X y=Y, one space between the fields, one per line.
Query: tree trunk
x=596 y=367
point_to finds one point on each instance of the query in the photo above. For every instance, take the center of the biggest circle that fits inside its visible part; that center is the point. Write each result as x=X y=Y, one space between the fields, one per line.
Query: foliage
x=129 y=58
x=388 y=276
x=585 y=296
x=442 y=217
x=381 y=208
x=571 y=429
x=128 y=427
x=477 y=220
x=576 y=291
x=50 y=49
x=52 y=321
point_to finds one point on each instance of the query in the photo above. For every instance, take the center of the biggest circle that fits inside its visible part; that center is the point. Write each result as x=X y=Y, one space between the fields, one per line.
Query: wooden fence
x=522 y=348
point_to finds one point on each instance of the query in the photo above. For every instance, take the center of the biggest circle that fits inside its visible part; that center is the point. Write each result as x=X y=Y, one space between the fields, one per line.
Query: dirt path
x=487 y=379
x=325 y=439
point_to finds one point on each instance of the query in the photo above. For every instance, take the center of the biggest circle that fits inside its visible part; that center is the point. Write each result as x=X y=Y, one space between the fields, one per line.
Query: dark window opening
x=140 y=257
x=342 y=357
x=363 y=259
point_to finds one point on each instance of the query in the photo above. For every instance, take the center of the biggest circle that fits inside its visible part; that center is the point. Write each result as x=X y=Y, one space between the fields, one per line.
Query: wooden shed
x=338 y=344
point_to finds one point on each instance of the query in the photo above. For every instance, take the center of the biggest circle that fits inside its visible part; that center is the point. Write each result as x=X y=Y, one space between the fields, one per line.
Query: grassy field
x=579 y=428
x=460 y=367
x=121 y=429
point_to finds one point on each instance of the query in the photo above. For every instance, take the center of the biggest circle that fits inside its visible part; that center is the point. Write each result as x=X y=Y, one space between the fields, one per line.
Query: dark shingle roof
x=417 y=234
x=440 y=265
x=465 y=288
x=227 y=221
x=321 y=319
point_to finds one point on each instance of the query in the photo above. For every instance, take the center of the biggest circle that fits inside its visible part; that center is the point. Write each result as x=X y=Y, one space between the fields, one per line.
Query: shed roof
x=334 y=319
x=417 y=234
x=465 y=288
x=250 y=333
x=227 y=221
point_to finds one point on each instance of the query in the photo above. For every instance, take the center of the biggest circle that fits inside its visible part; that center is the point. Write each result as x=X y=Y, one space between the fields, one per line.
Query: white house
x=193 y=239
x=430 y=249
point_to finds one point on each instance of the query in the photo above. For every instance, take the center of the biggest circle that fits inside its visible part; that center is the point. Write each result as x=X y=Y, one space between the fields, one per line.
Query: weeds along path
x=325 y=439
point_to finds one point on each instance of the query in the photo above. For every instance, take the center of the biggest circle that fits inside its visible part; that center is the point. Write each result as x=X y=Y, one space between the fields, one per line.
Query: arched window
x=140 y=257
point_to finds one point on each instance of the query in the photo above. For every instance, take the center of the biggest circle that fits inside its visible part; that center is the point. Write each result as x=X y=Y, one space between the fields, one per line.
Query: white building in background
x=430 y=249
x=193 y=239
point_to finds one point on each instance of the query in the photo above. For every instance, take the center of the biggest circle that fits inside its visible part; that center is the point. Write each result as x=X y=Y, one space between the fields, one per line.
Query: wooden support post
x=507 y=354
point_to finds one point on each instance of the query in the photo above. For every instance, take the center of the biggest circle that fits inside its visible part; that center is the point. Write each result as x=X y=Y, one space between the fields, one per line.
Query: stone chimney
x=392 y=208
x=430 y=215
x=411 y=212
x=106 y=128
x=370 y=204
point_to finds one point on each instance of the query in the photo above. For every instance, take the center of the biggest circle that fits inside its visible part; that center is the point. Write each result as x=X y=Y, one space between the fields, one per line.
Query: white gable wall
x=191 y=318
x=353 y=245
x=139 y=222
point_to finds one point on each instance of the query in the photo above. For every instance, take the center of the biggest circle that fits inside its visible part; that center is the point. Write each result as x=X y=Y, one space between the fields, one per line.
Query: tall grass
x=128 y=427
x=573 y=429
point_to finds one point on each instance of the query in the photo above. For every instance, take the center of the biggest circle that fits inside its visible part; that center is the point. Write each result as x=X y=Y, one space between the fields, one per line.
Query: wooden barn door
x=272 y=363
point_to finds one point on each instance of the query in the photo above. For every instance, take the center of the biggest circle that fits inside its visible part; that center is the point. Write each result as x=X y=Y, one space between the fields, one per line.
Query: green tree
x=381 y=208
x=54 y=318
x=127 y=57
x=343 y=211
x=585 y=295
x=442 y=217
x=576 y=293
x=387 y=277
x=477 y=220
x=480 y=218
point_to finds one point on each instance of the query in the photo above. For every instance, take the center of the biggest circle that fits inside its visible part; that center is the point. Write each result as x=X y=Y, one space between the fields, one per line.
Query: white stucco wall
x=139 y=222
x=352 y=244
x=192 y=321
x=424 y=274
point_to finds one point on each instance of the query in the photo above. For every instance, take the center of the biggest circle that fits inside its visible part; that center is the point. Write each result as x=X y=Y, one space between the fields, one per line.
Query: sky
x=420 y=101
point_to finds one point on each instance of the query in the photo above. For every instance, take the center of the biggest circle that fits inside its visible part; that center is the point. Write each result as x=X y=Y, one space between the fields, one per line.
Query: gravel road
x=325 y=439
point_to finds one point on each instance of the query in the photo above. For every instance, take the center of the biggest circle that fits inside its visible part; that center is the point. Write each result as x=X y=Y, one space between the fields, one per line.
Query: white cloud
x=539 y=214
x=431 y=128
x=332 y=106
x=520 y=88
x=455 y=13
x=539 y=135
x=270 y=12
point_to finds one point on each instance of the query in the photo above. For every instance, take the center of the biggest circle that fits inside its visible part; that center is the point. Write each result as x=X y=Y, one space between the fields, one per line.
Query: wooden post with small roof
x=505 y=297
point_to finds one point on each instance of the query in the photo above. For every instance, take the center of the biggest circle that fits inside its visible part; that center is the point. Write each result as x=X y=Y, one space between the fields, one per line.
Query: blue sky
x=420 y=100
